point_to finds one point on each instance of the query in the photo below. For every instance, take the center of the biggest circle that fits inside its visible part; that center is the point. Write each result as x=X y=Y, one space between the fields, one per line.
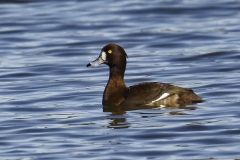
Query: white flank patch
x=103 y=56
x=160 y=107
x=162 y=97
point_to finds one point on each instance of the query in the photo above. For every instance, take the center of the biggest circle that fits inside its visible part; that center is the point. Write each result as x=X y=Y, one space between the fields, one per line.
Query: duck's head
x=112 y=55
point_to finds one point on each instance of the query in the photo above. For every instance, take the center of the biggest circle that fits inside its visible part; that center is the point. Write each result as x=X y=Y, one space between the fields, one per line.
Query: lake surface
x=50 y=103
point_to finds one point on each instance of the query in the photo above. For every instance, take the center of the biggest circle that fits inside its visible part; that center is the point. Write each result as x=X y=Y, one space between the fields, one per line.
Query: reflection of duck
x=119 y=110
x=118 y=119
x=149 y=93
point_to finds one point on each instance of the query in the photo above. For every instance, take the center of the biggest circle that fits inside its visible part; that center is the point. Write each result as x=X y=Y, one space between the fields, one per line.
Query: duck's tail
x=189 y=97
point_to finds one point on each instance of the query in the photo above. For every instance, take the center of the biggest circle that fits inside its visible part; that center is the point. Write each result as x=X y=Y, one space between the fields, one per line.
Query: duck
x=117 y=93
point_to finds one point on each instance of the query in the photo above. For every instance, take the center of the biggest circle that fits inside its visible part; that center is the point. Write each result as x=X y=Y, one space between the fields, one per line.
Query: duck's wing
x=147 y=93
x=155 y=93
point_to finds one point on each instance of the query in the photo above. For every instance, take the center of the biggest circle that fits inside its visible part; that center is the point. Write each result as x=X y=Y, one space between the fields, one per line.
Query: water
x=51 y=103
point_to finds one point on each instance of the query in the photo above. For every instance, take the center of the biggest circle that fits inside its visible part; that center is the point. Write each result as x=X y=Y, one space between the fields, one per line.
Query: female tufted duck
x=117 y=93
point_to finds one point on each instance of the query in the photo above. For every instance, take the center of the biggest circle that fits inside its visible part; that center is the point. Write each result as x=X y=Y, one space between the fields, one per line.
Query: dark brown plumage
x=117 y=93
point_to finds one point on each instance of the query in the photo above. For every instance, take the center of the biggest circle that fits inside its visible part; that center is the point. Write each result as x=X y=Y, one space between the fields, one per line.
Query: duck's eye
x=109 y=51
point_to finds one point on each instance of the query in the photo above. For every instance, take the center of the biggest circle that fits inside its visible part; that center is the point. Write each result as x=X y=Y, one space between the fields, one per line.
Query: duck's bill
x=96 y=62
x=100 y=60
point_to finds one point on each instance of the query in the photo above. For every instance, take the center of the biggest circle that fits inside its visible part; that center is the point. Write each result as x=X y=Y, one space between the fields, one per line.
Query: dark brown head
x=112 y=55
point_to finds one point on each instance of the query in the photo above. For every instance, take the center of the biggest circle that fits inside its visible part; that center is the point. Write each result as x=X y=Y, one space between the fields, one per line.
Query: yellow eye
x=109 y=51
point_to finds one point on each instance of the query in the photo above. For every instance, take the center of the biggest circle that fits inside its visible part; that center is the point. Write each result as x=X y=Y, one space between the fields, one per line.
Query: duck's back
x=155 y=93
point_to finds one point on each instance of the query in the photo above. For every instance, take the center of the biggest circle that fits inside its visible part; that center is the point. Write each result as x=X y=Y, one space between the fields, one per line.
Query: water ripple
x=51 y=103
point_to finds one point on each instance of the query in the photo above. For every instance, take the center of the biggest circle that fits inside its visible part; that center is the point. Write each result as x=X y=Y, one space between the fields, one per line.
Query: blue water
x=50 y=103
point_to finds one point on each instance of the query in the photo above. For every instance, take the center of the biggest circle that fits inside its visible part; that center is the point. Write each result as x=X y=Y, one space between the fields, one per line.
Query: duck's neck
x=114 y=91
x=116 y=72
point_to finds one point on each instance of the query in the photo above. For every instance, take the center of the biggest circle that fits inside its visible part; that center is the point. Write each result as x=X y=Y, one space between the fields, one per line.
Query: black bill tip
x=88 y=64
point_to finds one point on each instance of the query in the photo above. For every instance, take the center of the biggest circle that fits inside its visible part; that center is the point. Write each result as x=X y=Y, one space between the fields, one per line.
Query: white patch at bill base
x=103 y=56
